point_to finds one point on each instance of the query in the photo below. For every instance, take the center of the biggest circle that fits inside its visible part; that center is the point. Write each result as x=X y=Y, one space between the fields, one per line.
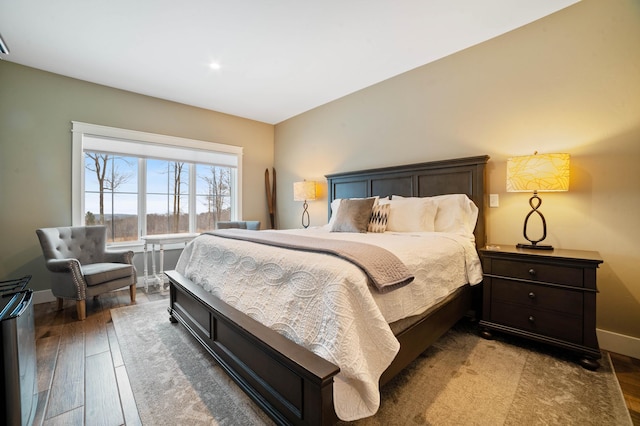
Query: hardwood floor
x=628 y=373
x=82 y=379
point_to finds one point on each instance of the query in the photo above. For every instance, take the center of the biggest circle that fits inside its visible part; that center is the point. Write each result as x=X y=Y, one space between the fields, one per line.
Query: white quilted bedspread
x=325 y=304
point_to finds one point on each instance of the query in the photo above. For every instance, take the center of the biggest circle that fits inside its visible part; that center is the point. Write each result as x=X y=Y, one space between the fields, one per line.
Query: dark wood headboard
x=456 y=176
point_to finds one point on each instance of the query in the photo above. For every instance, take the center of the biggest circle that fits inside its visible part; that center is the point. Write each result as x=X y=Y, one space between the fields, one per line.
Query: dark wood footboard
x=291 y=384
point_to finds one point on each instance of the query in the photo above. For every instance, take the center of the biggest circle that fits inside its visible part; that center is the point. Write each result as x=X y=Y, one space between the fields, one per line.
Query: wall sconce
x=304 y=191
x=538 y=172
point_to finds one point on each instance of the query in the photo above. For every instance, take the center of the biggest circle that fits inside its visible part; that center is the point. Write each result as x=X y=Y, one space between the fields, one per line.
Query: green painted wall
x=36 y=110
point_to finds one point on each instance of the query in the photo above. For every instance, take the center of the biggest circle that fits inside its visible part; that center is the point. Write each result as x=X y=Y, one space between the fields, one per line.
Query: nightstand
x=544 y=295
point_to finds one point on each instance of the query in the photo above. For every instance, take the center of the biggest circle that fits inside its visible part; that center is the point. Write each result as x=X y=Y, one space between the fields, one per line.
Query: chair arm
x=71 y=267
x=63 y=265
x=119 y=256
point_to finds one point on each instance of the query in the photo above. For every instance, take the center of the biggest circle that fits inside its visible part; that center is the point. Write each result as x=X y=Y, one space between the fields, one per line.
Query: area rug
x=461 y=380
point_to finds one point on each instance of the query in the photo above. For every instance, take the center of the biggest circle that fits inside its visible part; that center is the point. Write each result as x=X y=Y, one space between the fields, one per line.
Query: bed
x=291 y=383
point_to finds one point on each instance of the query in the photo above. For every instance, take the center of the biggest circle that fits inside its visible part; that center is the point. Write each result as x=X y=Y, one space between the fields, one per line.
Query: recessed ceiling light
x=214 y=66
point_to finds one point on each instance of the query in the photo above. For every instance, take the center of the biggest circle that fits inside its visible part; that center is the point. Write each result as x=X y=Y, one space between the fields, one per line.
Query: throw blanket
x=382 y=267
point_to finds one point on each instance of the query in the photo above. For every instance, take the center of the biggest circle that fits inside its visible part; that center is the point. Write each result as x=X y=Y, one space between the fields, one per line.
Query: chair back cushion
x=242 y=224
x=85 y=243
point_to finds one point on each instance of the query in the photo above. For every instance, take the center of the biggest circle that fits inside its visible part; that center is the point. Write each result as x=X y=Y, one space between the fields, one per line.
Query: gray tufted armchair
x=81 y=266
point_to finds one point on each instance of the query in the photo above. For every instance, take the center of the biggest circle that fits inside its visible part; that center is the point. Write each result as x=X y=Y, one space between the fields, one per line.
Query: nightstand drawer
x=555 y=274
x=537 y=296
x=547 y=323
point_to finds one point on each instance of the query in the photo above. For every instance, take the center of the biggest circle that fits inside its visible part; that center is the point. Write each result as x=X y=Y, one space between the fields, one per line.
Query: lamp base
x=305 y=215
x=535 y=246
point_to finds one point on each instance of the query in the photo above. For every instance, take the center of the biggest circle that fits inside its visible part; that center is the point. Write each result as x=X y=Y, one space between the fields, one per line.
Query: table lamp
x=538 y=172
x=304 y=191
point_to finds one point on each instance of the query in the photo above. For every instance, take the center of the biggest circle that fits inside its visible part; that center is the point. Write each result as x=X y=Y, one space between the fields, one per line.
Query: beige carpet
x=461 y=380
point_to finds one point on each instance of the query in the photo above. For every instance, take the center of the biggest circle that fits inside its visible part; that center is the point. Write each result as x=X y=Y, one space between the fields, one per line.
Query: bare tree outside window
x=109 y=179
x=215 y=195
x=177 y=194
x=167 y=186
x=136 y=196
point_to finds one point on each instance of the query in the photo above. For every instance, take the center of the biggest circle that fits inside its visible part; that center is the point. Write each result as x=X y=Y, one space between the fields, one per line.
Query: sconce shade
x=304 y=191
x=538 y=172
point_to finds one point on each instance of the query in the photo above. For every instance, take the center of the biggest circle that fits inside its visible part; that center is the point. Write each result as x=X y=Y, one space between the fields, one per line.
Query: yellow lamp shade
x=304 y=191
x=539 y=172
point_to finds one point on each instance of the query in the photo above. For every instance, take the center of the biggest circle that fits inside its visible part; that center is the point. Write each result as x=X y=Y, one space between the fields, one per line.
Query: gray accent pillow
x=353 y=215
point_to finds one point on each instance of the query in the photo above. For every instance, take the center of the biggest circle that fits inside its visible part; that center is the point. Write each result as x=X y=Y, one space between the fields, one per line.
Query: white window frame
x=153 y=141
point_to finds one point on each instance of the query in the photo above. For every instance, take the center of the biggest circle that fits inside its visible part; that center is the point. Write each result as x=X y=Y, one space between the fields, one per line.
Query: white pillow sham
x=412 y=215
x=456 y=213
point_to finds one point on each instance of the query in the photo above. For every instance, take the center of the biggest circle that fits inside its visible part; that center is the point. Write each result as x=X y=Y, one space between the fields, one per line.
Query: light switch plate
x=494 y=200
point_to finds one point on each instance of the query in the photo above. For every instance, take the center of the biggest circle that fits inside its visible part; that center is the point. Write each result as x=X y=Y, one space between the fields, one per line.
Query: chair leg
x=81 y=307
x=60 y=303
x=132 y=293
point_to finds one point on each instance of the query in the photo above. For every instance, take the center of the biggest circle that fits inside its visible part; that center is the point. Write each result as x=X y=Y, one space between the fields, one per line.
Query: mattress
x=326 y=304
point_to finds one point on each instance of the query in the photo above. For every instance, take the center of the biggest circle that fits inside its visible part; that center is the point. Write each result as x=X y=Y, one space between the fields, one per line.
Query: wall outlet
x=494 y=200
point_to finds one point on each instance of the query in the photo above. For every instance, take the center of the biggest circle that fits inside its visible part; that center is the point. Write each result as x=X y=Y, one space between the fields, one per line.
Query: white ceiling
x=278 y=58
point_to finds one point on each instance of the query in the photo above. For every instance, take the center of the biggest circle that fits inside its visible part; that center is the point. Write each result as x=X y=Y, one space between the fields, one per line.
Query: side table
x=160 y=240
x=543 y=295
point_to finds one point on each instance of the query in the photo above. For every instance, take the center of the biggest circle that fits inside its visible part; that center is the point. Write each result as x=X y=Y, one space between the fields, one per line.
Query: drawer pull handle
x=532 y=295
x=532 y=319
x=532 y=272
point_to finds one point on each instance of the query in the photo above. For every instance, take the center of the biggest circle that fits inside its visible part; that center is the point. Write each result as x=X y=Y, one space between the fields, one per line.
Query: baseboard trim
x=46 y=296
x=619 y=343
x=43 y=296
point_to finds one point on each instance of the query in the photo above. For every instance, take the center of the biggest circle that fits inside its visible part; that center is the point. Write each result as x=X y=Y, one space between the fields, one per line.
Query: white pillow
x=335 y=204
x=456 y=213
x=412 y=214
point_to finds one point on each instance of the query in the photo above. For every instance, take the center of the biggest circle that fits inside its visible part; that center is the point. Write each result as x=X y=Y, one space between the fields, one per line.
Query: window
x=140 y=183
